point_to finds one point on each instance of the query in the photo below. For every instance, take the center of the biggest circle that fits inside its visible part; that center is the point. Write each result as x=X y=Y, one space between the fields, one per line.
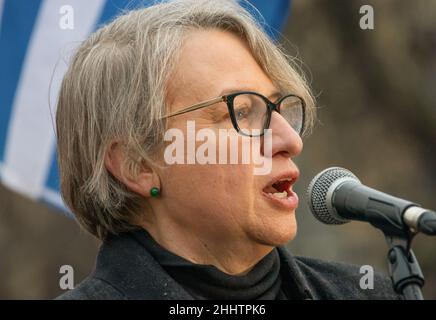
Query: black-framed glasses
x=250 y=112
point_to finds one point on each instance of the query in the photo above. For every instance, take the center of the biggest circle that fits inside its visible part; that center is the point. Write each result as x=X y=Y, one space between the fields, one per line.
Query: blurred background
x=376 y=96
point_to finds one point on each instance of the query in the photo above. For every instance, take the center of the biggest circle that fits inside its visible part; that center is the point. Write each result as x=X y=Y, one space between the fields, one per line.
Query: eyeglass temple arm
x=196 y=106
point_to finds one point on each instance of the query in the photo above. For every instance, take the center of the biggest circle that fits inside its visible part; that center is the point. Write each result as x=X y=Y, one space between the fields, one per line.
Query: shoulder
x=93 y=288
x=124 y=269
x=336 y=280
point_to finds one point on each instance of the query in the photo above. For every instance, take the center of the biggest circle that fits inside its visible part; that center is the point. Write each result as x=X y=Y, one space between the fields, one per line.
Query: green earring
x=154 y=192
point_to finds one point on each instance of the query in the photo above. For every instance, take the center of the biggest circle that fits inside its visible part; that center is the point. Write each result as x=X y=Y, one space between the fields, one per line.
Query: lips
x=279 y=191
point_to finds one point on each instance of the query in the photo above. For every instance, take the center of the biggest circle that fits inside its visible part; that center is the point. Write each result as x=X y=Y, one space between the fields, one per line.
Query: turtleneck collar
x=262 y=282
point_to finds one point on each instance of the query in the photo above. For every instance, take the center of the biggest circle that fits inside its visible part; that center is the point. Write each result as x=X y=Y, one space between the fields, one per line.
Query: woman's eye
x=242 y=113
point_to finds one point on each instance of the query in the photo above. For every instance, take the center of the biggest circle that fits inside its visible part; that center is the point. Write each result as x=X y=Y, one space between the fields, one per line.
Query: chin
x=277 y=232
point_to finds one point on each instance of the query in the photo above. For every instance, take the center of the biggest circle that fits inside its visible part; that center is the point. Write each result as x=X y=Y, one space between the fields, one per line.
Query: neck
x=231 y=255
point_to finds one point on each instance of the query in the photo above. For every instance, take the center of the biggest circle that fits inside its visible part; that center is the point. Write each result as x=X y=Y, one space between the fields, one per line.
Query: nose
x=285 y=140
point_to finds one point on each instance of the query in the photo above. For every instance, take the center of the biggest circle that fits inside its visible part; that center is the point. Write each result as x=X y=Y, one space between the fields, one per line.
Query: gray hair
x=115 y=88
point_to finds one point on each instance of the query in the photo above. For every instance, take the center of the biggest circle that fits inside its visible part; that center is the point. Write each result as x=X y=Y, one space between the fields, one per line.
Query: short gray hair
x=115 y=88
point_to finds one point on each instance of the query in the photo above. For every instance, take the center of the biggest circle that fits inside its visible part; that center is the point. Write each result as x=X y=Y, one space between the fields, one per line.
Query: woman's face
x=226 y=202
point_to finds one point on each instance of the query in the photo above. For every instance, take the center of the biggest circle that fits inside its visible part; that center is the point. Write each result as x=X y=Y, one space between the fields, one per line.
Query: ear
x=139 y=182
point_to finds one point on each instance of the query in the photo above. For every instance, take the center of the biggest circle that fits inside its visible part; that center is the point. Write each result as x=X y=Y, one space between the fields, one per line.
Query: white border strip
x=31 y=139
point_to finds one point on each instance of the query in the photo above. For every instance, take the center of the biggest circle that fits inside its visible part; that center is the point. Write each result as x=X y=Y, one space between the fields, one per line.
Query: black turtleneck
x=262 y=282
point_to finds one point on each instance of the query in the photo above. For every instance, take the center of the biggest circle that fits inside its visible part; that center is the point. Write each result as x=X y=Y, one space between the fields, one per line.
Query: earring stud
x=154 y=192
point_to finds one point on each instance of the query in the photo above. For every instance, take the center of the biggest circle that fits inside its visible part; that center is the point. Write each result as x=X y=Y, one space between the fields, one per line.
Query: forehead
x=210 y=62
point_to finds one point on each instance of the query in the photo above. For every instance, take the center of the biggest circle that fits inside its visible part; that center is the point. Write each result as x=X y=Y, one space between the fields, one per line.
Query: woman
x=155 y=117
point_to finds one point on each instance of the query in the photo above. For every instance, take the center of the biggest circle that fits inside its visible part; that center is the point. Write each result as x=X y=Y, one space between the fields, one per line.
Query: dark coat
x=125 y=270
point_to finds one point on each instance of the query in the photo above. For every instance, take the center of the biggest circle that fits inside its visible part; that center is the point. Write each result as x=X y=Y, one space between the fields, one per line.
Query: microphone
x=337 y=196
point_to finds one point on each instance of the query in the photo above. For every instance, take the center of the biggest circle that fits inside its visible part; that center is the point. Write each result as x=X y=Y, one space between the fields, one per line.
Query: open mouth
x=280 y=189
x=279 y=192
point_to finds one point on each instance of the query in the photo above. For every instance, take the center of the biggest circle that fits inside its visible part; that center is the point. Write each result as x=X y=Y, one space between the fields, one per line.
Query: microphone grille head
x=318 y=190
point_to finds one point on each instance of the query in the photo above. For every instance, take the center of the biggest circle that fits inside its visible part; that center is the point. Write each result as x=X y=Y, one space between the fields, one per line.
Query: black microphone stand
x=406 y=275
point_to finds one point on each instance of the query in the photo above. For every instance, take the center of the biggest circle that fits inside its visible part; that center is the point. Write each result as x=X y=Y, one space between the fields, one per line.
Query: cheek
x=213 y=188
x=209 y=187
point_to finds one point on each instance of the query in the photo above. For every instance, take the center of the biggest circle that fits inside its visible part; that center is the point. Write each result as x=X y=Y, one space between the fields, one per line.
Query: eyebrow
x=274 y=95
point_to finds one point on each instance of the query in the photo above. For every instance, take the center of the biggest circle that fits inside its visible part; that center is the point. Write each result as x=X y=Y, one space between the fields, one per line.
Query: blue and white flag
x=36 y=39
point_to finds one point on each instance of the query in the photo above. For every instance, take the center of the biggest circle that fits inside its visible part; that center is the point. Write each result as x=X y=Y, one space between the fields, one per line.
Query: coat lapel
x=127 y=266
